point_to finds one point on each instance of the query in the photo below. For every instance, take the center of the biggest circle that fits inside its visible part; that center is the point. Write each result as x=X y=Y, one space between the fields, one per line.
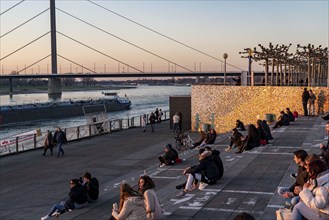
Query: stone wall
x=221 y=106
x=181 y=104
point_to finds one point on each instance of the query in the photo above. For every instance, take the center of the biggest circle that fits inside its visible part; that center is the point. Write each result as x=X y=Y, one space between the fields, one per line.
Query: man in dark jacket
x=169 y=157
x=60 y=137
x=206 y=171
x=292 y=192
x=92 y=186
x=218 y=161
x=305 y=98
x=282 y=120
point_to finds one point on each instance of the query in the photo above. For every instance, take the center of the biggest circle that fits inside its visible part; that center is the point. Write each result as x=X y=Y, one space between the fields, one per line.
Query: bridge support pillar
x=54 y=88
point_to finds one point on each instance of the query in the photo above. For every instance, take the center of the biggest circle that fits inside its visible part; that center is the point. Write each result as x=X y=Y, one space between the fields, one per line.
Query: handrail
x=77 y=133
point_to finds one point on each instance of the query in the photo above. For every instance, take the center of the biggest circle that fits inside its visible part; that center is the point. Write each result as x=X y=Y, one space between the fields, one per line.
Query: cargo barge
x=61 y=109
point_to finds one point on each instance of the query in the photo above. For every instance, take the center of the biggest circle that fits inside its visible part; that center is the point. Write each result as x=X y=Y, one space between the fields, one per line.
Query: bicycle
x=183 y=141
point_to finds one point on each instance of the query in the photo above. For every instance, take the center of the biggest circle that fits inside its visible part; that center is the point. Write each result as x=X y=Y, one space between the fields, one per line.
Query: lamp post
x=225 y=57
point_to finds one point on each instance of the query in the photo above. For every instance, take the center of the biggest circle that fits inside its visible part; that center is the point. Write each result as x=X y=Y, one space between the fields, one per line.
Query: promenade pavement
x=31 y=183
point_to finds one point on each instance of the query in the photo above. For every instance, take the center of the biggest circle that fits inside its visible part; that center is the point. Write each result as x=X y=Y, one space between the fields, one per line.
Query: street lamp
x=225 y=57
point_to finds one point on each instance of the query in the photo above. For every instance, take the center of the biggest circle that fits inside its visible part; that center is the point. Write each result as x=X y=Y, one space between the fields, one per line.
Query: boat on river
x=111 y=101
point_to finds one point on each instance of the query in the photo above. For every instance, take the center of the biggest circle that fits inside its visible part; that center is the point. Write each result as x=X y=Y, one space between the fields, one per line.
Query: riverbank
x=44 y=89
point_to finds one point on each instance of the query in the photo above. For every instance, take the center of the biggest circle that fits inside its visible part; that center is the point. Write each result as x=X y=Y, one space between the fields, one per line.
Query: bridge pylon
x=54 y=88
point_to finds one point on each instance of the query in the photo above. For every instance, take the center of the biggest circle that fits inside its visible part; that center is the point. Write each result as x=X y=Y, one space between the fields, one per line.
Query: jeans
x=293 y=200
x=60 y=149
x=301 y=210
x=305 y=108
x=57 y=207
x=176 y=128
x=190 y=180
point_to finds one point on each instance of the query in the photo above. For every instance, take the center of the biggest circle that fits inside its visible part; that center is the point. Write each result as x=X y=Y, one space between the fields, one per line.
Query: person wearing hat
x=169 y=156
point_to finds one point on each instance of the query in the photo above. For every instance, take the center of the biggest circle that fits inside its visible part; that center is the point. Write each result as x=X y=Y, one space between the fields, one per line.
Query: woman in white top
x=314 y=197
x=131 y=205
x=153 y=207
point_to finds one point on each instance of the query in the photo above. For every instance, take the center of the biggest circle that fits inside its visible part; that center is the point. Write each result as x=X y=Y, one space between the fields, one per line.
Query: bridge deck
x=31 y=183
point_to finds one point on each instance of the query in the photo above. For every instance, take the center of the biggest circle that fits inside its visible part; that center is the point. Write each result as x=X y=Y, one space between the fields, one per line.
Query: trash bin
x=270 y=117
x=206 y=127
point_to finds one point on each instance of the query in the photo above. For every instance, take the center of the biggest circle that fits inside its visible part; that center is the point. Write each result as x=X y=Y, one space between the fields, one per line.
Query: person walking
x=143 y=122
x=60 y=137
x=152 y=121
x=48 y=143
x=160 y=115
x=156 y=114
x=305 y=98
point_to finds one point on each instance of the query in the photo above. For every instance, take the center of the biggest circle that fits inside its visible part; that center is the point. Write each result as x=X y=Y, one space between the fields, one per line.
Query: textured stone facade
x=220 y=106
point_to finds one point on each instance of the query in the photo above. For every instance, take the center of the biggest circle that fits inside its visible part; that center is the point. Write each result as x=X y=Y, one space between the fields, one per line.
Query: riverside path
x=30 y=183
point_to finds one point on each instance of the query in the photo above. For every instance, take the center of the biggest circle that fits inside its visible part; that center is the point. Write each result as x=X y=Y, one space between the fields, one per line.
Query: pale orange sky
x=213 y=27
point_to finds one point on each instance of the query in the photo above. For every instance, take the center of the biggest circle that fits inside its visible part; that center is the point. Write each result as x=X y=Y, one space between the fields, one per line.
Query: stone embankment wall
x=220 y=106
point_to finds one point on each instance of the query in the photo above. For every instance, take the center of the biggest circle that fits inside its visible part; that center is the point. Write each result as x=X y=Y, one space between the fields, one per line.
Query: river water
x=144 y=100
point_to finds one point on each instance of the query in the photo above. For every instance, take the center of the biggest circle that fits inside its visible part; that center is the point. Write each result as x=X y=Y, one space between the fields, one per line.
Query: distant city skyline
x=101 y=34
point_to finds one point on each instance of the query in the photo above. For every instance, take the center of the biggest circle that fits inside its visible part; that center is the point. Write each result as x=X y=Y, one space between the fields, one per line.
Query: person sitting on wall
x=239 y=125
x=283 y=120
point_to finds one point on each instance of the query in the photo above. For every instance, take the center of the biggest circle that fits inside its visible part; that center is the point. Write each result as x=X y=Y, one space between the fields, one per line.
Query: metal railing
x=77 y=133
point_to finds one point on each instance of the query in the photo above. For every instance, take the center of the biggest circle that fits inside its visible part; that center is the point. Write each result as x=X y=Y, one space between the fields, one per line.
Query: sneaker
x=180 y=186
x=202 y=185
x=293 y=175
x=228 y=148
x=162 y=165
x=44 y=217
x=181 y=194
x=56 y=213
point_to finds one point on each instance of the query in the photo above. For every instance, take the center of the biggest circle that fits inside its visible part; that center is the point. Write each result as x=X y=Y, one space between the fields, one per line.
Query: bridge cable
x=163 y=35
x=100 y=52
x=76 y=63
x=126 y=41
x=34 y=63
x=24 y=23
x=25 y=45
x=12 y=7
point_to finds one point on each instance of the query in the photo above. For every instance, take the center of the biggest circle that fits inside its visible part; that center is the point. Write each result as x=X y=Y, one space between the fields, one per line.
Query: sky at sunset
x=95 y=34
